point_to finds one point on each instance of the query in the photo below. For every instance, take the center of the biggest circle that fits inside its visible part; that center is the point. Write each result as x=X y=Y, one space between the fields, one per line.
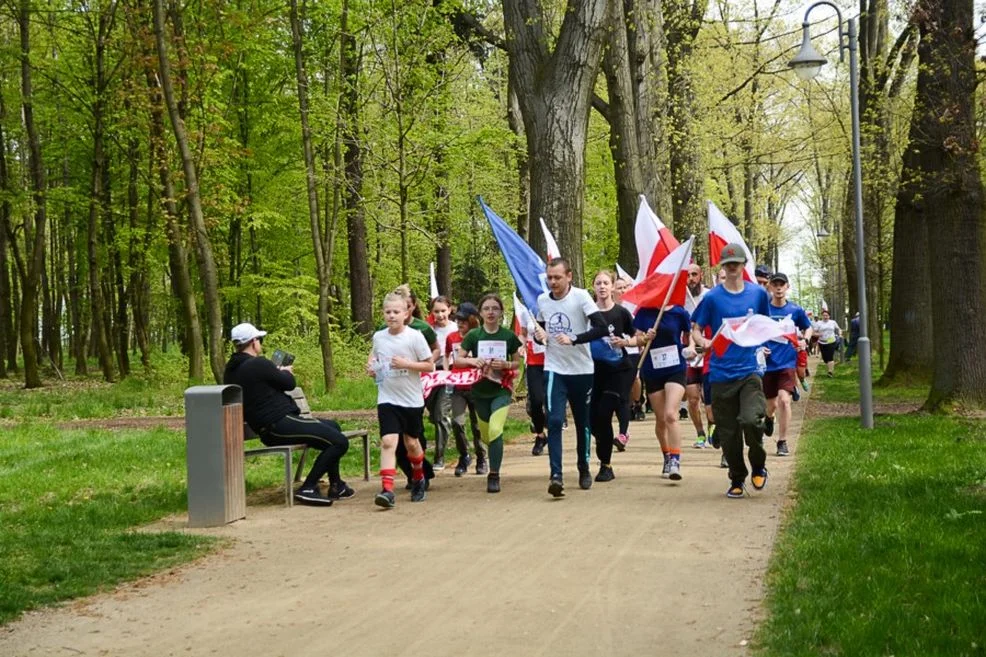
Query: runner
x=737 y=392
x=399 y=355
x=694 y=372
x=663 y=374
x=614 y=373
x=762 y=273
x=828 y=340
x=460 y=399
x=495 y=351
x=438 y=402
x=567 y=321
x=627 y=411
x=534 y=376
x=779 y=385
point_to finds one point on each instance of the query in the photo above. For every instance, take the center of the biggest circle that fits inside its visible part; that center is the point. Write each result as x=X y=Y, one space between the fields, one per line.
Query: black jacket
x=264 y=401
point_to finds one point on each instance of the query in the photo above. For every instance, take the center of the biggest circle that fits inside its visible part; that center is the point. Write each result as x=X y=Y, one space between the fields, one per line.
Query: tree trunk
x=515 y=120
x=7 y=342
x=360 y=283
x=34 y=235
x=953 y=191
x=324 y=275
x=203 y=248
x=555 y=89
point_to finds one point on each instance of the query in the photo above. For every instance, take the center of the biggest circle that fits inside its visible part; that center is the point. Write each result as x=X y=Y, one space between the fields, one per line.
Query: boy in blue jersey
x=738 y=402
x=781 y=380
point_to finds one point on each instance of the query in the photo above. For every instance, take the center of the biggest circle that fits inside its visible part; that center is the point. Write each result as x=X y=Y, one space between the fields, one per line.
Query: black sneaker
x=340 y=490
x=585 y=480
x=463 y=465
x=556 y=487
x=481 y=466
x=540 y=442
x=682 y=413
x=311 y=496
x=768 y=426
x=782 y=448
x=493 y=483
x=605 y=473
x=385 y=498
x=418 y=489
x=795 y=396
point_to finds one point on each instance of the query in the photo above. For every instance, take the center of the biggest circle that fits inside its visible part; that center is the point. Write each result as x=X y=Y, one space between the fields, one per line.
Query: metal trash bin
x=214 y=455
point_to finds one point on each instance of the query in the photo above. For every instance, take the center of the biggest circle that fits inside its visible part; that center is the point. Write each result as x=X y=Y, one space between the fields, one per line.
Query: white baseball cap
x=245 y=332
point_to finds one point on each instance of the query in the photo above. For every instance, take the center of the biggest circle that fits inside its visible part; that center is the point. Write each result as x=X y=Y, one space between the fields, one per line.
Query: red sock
x=387 y=478
x=417 y=467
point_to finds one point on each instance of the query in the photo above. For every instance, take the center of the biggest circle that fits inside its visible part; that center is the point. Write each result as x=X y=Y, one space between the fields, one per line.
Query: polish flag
x=668 y=284
x=622 y=273
x=722 y=232
x=522 y=317
x=654 y=240
x=750 y=331
x=434 y=281
x=549 y=240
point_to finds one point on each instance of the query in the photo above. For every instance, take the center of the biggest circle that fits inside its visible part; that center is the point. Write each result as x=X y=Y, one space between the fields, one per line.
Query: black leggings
x=324 y=435
x=536 y=398
x=610 y=394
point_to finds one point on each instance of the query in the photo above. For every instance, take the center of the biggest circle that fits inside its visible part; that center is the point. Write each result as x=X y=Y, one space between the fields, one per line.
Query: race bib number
x=761 y=359
x=492 y=350
x=661 y=357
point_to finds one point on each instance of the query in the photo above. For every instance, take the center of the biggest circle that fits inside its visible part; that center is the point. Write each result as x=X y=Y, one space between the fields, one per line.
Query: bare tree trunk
x=555 y=90
x=203 y=247
x=8 y=344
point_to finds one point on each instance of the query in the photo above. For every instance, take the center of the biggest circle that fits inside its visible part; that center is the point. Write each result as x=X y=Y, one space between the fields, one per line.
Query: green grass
x=844 y=386
x=883 y=553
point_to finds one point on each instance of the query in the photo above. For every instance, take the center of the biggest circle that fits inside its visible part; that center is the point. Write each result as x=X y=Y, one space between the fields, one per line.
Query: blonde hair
x=395 y=297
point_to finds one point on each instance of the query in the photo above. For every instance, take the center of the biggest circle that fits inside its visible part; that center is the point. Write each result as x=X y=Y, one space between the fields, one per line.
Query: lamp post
x=807 y=63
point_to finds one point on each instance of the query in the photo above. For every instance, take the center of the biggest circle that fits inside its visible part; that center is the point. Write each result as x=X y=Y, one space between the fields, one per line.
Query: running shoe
x=481 y=466
x=438 y=465
x=540 y=442
x=605 y=473
x=768 y=426
x=830 y=375
x=782 y=448
x=759 y=479
x=682 y=413
x=712 y=439
x=312 y=495
x=700 y=443
x=804 y=384
x=556 y=487
x=385 y=498
x=736 y=490
x=674 y=470
x=620 y=442
x=796 y=396
x=340 y=490
x=493 y=483
x=666 y=471
x=723 y=463
x=418 y=490
x=585 y=479
x=463 y=465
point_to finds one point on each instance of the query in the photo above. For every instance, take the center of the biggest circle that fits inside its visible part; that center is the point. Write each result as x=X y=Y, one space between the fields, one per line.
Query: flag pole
x=667 y=297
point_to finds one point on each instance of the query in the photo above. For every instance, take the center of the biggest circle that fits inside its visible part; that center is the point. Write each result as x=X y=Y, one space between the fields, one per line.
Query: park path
x=636 y=566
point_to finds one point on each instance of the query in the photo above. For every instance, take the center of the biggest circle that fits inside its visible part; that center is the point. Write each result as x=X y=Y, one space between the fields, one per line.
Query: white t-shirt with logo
x=398 y=386
x=568 y=315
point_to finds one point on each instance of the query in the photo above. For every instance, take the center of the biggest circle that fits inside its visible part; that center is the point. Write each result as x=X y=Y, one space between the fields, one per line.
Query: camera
x=282 y=358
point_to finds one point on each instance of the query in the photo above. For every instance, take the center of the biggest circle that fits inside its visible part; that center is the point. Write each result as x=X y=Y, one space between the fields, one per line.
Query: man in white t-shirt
x=567 y=321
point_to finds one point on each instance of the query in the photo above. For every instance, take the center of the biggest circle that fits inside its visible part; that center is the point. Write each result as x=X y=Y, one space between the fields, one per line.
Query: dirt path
x=637 y=566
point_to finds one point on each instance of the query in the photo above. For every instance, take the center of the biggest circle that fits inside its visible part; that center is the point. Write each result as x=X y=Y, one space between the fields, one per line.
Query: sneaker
x=804 y=384
x=620 y=442
x=674 y=470
x=585 y=479
x=666 y=471
x=830 y=375
x=782 y=448
x=340 y=491
x=712 y=439
x=759 y=479
x=699 y=443
x=556 y=487
x=463 y=465
x=723 y=463
x=540 y=442
x=481 y=466
x=682 y=413
x=736 y=490
x=385 y=498
x=795 y=396
x=418 y=490
x=493 y=483
x=605 y=473
x=639 y=414
x=438 y=465
x=768 y=426
x=311 y=496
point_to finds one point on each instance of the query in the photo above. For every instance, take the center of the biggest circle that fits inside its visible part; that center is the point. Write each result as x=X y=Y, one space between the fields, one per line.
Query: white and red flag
x=622 y=273
x=551 y=246
x=753 y=331
x=522 y=317
x=722 y=232
x=654 y=240
x=433 y=281
x=667 y=284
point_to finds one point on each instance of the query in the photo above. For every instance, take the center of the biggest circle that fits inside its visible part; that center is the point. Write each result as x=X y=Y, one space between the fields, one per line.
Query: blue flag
x=525 y=265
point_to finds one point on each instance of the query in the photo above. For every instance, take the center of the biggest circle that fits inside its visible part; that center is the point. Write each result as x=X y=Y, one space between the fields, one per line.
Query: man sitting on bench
x=276 y=418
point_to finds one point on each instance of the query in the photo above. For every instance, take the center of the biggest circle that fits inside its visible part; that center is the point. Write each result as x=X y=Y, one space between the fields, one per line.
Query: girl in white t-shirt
x=399 y=355
x=828 y=340
x=439 y=409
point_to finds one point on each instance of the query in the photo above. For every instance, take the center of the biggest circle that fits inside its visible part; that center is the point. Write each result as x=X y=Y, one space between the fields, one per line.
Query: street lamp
x=807 y=63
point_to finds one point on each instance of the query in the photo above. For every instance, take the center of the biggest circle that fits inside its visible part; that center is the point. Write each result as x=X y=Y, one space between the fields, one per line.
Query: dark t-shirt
x=264 y=401
x=619 y=322
x=503 y=341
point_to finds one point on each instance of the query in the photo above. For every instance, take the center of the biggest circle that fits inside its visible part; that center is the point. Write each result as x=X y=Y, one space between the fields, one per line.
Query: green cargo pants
x=739 y=408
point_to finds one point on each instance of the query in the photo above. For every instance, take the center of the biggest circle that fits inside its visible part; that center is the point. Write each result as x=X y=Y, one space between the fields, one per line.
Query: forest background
x=170 y=169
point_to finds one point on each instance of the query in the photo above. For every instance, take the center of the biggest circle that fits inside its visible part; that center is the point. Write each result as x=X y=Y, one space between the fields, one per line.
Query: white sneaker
x=674 y=470
x=666 y=472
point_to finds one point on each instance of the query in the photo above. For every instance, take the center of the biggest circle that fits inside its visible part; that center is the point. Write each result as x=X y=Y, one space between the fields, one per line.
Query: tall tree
x=554 y=86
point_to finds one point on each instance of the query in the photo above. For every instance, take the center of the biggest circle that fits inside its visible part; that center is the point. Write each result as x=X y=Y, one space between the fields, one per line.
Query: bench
x=298 y=395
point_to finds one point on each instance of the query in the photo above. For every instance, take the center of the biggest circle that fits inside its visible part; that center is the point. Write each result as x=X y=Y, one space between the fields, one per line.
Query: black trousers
x=536 y=398
x=324 y=435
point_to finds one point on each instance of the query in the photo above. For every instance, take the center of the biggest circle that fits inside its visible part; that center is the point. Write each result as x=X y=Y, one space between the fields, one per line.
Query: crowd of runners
x=584 y=356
